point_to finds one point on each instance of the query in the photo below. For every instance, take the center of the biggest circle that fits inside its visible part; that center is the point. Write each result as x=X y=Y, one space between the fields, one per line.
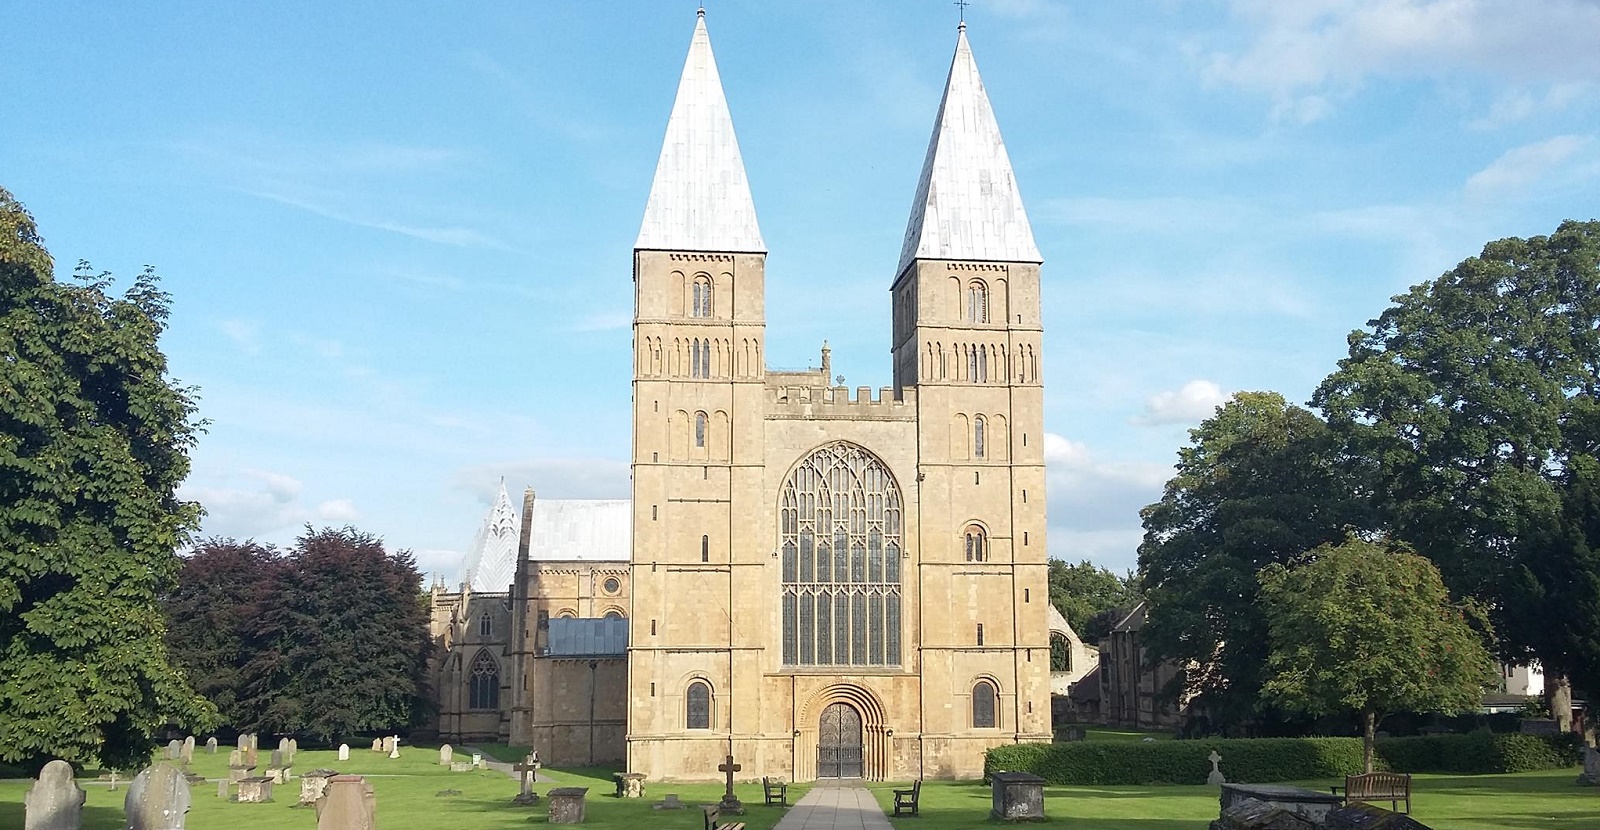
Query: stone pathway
x=501 y=766
x=835 y=808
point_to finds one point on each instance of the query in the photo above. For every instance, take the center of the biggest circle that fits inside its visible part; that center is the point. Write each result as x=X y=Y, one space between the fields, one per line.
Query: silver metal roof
x=967 y=205
x=492 y=563
x=586 y=530
x=587 y=637
x=700 y=199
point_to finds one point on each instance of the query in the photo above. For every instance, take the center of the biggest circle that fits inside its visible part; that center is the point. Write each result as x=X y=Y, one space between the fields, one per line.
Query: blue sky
x=399 y=235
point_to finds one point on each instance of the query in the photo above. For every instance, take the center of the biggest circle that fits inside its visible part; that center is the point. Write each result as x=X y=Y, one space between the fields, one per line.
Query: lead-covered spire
x=491 y=566
x=700 y=199
x=967 y=205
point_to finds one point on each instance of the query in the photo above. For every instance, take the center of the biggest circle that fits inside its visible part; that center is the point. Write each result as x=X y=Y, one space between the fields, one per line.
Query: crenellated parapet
x=840 y=402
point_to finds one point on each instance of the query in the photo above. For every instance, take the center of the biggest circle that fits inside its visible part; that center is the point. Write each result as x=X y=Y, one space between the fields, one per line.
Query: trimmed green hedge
x=1263 y=760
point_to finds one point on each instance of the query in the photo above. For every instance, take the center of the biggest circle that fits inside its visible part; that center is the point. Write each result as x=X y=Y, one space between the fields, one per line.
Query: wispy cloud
x=554 y=478
x=251 y=503
x=1094 y=503
x=460 y=237
x=1519 y=168
x=1196 y=401
x=245 y=334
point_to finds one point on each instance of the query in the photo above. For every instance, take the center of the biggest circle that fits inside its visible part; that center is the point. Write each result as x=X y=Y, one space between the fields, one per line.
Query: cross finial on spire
x=701 y=12
x=962 y=6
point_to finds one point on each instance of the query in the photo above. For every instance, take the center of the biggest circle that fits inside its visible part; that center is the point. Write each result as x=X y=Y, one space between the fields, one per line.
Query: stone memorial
x=187 y=752
x=111 y=780
x=566 y=805
x=1215 y=778
x=211 y=745
x=460 y=766
x=314 y=784
x=671 y=802
x=1250 y=814
x=239 y=772
x=394 y=747
x=344 y=752
x=255 y=790
x=527 y=773
x=477 y=760
x=283 y=745
x=294 y=749
x=1369 y=817
x=56 y=801
x=629 y=784
x=174 y=749
x=243 y=742
x=276 y=758
x=222 y=788
x=235 y=758
x=377 y=745
x=158 y=799
x=348 y=804
x=1310 y=804
x=446 y=755
x=1016 y=796
x=1590 y=777
x=279 y=775
x=729 y=806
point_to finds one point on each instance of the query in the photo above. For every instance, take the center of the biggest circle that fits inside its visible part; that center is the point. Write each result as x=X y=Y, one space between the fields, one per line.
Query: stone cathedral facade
x=827 y=582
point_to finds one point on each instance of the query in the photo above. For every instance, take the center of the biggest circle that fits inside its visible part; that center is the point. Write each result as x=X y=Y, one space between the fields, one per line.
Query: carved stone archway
x=874 y=741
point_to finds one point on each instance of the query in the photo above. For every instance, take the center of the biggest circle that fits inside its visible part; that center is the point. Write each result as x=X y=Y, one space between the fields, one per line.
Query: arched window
x=977 y=544
x=977 y=302
x=701 y=301
x=983 y=705
x=1060 y=653
x=483 y=690
x=699 y=429
x=978 y=436
x=700 y=358
x=613 y=614
x=840 y=536
x=697 y=706
x=705 y=548
x=486 y=626
x=983 y=365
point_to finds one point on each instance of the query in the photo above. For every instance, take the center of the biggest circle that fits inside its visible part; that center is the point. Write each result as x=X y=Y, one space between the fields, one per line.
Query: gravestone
x=239 y=772
x=211 y=745
x=566 y=805
x=111 y=778
x=378 y=745
x=348 y=804
x=235 y=758
x=1215 y=778
x=314 y=784
x=344 y=752
x=158 y=799
x=277 y=758
x=283 y=745
x=222 y=788
x=187 y=753
x=1590 y=777
x=394 y=747
x=255 y=790
x=1016 y=796
x=461 y=766
x=730 y=805
x=1252 y=814
x=1370 y=817
x=477 y=760
x=56 y=800
x=527 y=772
x=671 y=802
x=174 y=749
x=244 y=741
x=446 y=755
x=279 y=775
x=294 y=749
x=629 y=784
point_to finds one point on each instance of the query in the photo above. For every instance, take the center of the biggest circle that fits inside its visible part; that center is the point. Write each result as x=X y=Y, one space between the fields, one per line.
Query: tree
x=1260 y=483
x=1358 y=627
x=223 y=588
x=1084 y=590
x=94 y=441
x=1474 y=396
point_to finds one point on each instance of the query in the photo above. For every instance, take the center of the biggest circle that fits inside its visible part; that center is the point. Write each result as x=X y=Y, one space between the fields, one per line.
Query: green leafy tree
x=1360 y=628
x=1474 y=397
x=1260 y=483
x=1083 y=590
x=93 y=443
x=223 y=588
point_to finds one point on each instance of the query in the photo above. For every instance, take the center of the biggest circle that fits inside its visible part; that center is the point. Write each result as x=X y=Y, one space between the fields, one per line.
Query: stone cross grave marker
x=113 y=778
x=394 y=747
x=158 y=799
x=56 y=801
x=527 y=772
x=1215 y=777
x=446 y=755
x=730 y=803
x=344 y=752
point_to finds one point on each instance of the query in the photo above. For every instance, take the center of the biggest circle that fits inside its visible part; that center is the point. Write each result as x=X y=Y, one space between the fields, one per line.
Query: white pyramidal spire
x=492 y=564
x=967 y=205
x=700 y=199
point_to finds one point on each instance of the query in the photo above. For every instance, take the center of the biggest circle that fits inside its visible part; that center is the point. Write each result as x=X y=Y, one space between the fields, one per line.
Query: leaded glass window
x=977 y=303
x=840 y=540
x=483 y=689
x=699 y=429
x=701 y=306
x=983 y=705
x=976 y=544
x=698 y=706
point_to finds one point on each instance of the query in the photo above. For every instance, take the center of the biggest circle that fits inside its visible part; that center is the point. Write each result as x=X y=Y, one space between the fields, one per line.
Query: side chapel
x=823 y=582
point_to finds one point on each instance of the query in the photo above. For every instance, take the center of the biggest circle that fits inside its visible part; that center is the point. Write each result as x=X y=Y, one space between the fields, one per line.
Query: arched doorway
x=839 y=752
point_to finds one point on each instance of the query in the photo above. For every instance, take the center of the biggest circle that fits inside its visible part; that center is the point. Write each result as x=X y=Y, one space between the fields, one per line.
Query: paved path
x=501 y=766
x=835 y=808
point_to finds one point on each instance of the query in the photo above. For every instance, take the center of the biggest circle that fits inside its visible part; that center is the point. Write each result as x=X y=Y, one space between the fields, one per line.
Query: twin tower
x=830 y=583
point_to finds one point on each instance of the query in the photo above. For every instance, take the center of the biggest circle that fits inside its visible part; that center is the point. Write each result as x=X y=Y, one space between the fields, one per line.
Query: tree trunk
x=1558 y=698
x=1369 y=729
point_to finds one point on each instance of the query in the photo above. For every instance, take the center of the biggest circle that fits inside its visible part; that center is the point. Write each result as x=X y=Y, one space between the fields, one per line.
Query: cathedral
x=822 y=582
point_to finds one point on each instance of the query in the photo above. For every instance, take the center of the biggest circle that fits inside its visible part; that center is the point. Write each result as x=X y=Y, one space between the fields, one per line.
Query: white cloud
x=455 y=236
x=1520 y=167
x=1515 y=105
x=338 y=510
x=1196 y=401
x=245 y=334
x=259 y=504
x=1088 y=493
x=550 y=478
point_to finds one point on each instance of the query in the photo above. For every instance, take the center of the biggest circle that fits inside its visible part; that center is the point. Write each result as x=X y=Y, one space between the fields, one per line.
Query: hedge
x=1264 y=760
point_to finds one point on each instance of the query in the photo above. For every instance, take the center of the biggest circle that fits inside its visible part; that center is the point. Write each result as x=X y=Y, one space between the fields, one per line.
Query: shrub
x=1479 y=752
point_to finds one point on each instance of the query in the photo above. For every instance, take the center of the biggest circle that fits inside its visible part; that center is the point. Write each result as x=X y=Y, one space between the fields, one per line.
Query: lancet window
x=700 y=302
x=483 y=689
x=977 y=302
x=979 y=427
x=699 y=429
x=700 y=358
x=841 y=541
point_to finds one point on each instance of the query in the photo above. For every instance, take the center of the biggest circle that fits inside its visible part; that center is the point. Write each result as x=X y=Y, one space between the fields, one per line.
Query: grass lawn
x=408 y=797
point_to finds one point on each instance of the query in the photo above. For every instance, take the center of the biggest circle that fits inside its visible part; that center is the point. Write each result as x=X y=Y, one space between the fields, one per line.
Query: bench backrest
x=1376 y=784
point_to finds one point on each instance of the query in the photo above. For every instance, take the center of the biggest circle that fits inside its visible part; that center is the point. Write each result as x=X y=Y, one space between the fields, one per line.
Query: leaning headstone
x=158 y=799
x=446 y=755
x=314 y=784
x=344 y=752
x=211 y=745
x=174 y=749
x=1590 y=777
x=1215 y=777
x=56 y=800
x=349 y=804
x=187 y=752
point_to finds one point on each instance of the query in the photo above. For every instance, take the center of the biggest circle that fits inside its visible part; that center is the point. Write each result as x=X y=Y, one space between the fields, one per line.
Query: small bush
x=1265 y=760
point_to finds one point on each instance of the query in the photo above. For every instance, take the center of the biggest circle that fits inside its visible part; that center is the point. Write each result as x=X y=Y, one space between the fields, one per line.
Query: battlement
x=797 y=401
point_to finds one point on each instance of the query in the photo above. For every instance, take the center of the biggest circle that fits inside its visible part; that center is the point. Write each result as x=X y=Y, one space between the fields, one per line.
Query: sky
x=399 y=236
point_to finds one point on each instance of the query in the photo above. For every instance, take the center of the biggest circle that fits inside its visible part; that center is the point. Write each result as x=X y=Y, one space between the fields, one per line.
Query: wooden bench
x=711 y=813
x=775 y=792
x=905 y=801
x=1393 y=787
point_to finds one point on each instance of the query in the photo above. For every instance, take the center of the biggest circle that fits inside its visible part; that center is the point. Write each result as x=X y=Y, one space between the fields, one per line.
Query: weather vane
x=962 y=5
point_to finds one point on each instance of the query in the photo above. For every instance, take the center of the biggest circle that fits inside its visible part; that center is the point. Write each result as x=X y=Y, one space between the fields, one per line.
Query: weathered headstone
x=294 y=749
x=211 y=745
x=671 y=802
x=477 y=760
x=279 y=775
x=283 y=745
x=239 y=772
x=56 y=800
x=446 y=755
x=461 y=766
x=235 y=758
x=255 y=790
x=527 y=771
x=1215 y=777
x=1590 y=777
x=314 y=784
x=222 y=788
x=158 y=799
x=276 y=758
x=630 y=784
x=187 y=753
x=174 y=749
x=349 y=804
x=344 y=752
x=244 y=741
x=378 y=745
x=566 y=805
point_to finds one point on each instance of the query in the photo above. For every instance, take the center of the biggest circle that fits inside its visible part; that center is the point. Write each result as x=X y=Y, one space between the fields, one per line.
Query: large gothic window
x=483 y=690
x=840 y=534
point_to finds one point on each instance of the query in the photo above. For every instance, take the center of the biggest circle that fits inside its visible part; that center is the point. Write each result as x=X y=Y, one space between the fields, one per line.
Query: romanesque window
x=613 y=614
x=977 y=544
x=699 y=429
x=486 y=626
x=701 y=305
x=983 y=705
x=977 y=302
x=697 y=706
x=700 y=358
x=978 y=426
x=840 y=535
x=483 y=689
